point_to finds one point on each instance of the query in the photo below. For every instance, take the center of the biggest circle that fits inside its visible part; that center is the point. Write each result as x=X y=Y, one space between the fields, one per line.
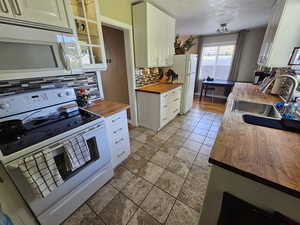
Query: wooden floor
x=215 y=106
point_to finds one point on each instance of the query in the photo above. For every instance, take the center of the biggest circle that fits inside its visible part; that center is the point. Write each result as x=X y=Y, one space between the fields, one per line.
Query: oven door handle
x=53 y=147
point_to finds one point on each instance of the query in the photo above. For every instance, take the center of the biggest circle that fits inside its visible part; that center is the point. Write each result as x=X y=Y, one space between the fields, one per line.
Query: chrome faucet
x=266 y=85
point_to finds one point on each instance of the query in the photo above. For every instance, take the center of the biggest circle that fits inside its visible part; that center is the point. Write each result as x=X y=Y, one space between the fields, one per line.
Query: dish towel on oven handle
x=77 y=153
x=41 y=172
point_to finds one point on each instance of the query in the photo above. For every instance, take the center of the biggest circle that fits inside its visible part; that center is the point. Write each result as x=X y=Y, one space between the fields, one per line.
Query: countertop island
x=256 y=164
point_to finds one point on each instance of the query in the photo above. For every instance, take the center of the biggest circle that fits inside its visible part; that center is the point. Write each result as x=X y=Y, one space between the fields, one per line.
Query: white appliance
x=46 y=127
x=29 y=52
x=186 y=67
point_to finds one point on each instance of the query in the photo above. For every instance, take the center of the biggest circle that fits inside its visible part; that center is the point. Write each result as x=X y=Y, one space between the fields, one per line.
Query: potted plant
x=181 y=47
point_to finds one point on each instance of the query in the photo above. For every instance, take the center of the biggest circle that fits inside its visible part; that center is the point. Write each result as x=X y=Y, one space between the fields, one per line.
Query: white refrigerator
x=186 y=67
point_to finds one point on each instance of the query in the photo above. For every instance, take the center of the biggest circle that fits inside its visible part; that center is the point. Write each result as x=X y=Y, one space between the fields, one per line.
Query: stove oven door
x=76 y=189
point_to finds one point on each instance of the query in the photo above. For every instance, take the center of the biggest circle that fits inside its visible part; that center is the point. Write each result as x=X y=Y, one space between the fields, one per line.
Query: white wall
x=251 y=49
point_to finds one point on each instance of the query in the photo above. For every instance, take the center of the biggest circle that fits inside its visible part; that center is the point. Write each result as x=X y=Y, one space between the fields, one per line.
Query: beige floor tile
x=183 y=133
x=201 y=131
x=209 y=141
x=121 y=178
x=142 y=218
x=170 y=150
x=202 y=161
x=102 y=197
x=155 y=141
x=187 y=154
x=137 y=189
x=158 y=204
x=143 y=137
x=118 y=211
x=83 y=215
x=212 y=134
x=194 y=188
x=134 y=163
x=181 y=214
x=161 y=158
x=135 y=145
x=146 y=151
x=179 y=166
x=205 y=149
x=196 y=137
x=151 y=172
x=172 y=142
x=170 y=183
x=192 y=145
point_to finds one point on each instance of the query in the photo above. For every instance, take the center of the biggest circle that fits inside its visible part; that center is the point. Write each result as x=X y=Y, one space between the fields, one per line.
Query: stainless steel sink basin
x=260 y=109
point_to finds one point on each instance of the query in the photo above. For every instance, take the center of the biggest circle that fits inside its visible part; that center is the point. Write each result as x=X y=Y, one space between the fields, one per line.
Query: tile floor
x=164 y=179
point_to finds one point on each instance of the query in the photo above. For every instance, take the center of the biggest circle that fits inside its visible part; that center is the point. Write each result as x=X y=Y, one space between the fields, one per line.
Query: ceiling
x=201 y=17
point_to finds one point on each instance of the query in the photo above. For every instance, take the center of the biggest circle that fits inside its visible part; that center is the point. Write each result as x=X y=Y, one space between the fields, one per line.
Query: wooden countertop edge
x=255 y=178
x=175 y=85
x=108 y=113
x=148 y=91
x=116 y=111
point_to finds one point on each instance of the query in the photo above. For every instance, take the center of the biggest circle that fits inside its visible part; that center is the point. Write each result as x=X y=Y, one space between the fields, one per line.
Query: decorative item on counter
x=172 y=76
x=82 y=97
x=288 y=116
x=182 y=47
x=210 y=78
x=280 y=105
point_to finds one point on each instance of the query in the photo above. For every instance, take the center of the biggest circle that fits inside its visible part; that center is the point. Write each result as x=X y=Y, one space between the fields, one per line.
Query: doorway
x=115 y=78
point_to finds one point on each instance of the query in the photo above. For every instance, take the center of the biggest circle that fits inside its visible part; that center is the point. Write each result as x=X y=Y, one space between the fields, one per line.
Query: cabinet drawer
x=117 y=121
x=120 y=141
x=171 y=96
x=120 y=155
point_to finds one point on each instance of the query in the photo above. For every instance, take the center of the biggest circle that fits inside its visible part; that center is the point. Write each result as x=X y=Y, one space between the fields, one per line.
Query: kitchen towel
x=77 y=153
x=41 y=172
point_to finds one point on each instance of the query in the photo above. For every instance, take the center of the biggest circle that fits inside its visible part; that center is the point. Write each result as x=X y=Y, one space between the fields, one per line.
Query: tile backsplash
x=88 y=81
x=146 y=76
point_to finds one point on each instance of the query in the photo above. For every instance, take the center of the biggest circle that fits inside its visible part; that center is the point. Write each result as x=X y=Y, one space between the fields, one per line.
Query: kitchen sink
x=259 y=109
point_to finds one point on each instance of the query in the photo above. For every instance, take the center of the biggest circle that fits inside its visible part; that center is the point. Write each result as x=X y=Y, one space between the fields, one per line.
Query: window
x=216 y=61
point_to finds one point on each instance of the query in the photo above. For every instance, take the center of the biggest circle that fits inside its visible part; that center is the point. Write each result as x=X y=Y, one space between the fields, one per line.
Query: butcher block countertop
x=159 y=88
x=106 y=108
x=268 y=156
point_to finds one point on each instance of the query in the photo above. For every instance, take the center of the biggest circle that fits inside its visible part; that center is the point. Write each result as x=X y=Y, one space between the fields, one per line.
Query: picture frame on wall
x=295 y=58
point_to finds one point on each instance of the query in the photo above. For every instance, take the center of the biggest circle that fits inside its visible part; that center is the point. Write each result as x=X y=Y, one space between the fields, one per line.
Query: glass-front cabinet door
x=87 y=26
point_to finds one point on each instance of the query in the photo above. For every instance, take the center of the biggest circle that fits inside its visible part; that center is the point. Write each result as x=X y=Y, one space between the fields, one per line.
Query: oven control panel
x=15 y=104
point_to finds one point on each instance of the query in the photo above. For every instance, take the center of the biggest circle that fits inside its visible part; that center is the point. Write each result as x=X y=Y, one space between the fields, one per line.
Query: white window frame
x=216 y=44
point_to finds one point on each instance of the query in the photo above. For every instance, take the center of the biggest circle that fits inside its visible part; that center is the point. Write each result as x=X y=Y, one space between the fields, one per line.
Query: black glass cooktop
x=40 y=130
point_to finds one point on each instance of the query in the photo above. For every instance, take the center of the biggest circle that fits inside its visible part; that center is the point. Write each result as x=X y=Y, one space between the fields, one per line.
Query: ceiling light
x=223 y=28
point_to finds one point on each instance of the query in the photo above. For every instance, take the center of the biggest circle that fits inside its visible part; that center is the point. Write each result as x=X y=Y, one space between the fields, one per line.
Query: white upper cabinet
x=49 y=14
x=282 y=34
x=154 y=36
x=86 y=23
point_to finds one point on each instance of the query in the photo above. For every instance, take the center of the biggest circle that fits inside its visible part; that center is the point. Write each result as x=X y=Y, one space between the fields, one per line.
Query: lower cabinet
x=118 y=136
x=156 y=110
